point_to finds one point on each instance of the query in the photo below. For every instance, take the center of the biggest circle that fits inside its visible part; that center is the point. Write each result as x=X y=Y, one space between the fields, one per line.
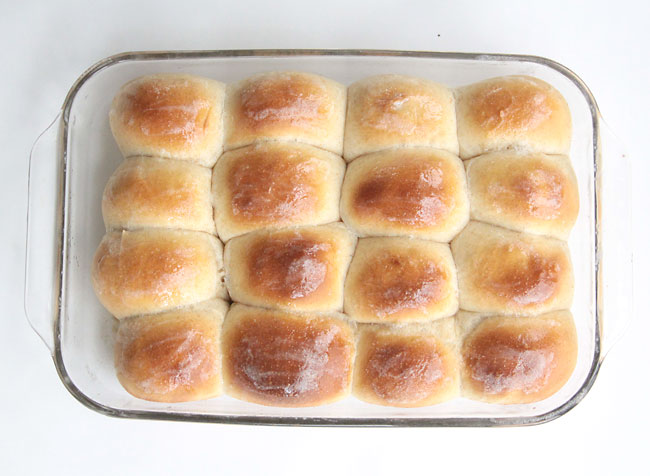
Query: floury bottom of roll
x=506 y=272
x=176 y=116
x=283 y=359
x=511 y=360
x=172 y=356
x=298 y=269
x=399 y=280
x=407 y=366
x=150 y=270
x=275 y=185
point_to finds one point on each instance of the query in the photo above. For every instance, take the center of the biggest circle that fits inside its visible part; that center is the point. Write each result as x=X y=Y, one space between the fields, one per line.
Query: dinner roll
x=533 y=192
x=275 y=185
x=299 y=269
x=417 y=192
x=173 y=356
x=151 y=270
x=512 y=112
x=516 y=359
x=158 y=193
x=288 y=106
x=407 y=366
x=505 y=272
x=400 y=280
x=393 y=111
x=175 y=116
x=282 y=359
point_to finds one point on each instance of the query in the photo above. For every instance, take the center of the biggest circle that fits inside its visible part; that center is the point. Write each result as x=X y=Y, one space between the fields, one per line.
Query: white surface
x=47 y=45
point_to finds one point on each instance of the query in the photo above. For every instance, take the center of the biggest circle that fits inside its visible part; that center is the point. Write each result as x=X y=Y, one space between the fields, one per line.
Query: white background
x=46 y=45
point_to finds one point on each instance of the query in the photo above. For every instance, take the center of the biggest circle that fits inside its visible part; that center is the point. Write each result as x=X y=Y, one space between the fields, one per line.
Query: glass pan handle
x=616 y=259
x=42 y=240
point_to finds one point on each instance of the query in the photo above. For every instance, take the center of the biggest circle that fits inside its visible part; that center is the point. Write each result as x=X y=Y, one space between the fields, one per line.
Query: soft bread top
x=151 y=270
x=147 y=192
x=407 y=366
x=282 y=359
x=505 y=272
x=512 y=112
x=417 y=192
x=289 y=106
x=275 y=185
x=299 y=269
x=400 y=280
x=393 y=111
x=515 y=359
x=173 y=356
x=535 y=193
x=175 y=116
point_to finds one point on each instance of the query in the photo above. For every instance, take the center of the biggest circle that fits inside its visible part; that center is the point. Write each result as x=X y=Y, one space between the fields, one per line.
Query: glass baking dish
x=72 y=160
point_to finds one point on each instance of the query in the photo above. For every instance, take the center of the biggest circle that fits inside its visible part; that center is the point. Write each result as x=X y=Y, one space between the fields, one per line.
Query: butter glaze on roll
x=505 y=272
x=173 y=356
x=516 y=360
x=400 y=280
x=414 y=192
x=275 y=185
x=147 y=271
x=289 y=360
x=300 y=269
x=394 y=111
x=175 y=116
x=407 y=366
x=147 y=192
x=535 y=193
x=512 y=112
x=287 y=106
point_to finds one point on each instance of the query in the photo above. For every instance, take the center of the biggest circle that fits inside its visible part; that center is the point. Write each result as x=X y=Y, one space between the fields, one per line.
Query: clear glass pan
x=73 y=159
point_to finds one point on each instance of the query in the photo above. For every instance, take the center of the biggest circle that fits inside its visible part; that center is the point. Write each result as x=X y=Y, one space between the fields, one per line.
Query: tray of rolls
x=328 y=238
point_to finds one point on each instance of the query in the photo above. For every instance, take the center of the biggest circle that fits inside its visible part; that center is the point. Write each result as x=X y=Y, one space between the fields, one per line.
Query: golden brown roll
x=148 y=192
x=174 y=116
x=287 y=106
x=407 y=366
x=535 y=193
x=512 y=112
x=505 y=272
x=417 y=192
x=400 y=280
x=275 y=185
x=173 y=356
x=393 y=111
x=150 y=270
x=301 y=269
x=283 y=359
x=516 y=359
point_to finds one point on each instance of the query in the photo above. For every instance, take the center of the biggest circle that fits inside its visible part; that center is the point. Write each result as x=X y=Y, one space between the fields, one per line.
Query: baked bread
x=400 y=280
x=283 y=359
x=275 y=197
x=505 y=272
x=301 y=269
x=287 y=106
x=516 y=359
x=174 y=116
x=173 y=356
x=148 y=192
x=275 y=185
x=394 y=111
x=512 y=112
x=407 y=366
x=414 y=192
x=535 y=193
x=150 y=270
